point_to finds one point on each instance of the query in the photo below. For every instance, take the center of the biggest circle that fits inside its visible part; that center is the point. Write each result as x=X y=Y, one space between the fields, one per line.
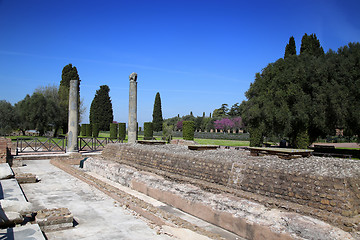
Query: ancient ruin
x=132 y=126
x=73 y=117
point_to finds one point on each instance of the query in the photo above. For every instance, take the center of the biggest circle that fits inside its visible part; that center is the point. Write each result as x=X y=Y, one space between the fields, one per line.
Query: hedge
x=148 y=130
x=122 y=131
x=88 y=130
x=83 y=130
x=188 y=130
x=113 y=130
x=95 y=130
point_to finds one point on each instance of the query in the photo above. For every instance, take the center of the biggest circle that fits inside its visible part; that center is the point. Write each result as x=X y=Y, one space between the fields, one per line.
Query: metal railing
x=36 y=144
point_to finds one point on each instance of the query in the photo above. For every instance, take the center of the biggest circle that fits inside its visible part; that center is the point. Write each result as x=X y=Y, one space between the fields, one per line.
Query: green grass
x=201 y=141
x=220 y=142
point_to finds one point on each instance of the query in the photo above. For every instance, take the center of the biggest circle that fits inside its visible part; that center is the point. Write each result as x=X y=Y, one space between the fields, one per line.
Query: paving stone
x=10 y=190
x=26 y=232
x=5 y=171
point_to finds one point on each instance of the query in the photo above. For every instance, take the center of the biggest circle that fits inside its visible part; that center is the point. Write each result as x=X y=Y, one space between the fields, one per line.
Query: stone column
x=73 y=117
x=132 y=125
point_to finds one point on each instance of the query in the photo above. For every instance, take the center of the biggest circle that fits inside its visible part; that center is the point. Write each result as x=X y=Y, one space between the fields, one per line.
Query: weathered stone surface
x=5 y=171
x=246 y=218
x=26 y=232
x=21 y=207
x=132 y=124
x=73 y=121
x=25 y=178
x=7 y=219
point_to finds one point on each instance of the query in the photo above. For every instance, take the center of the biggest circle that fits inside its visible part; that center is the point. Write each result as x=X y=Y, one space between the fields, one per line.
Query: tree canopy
x=101 y=111
x=157 y=114
x=7 y=117
x=290 y=48
x=69 y=72
x=303 y=97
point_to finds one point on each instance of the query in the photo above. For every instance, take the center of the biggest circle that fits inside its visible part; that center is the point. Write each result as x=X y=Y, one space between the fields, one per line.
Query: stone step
x=29 y=231
x=10 y=190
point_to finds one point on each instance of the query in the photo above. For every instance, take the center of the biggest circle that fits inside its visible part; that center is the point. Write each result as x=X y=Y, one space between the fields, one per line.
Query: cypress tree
x=69 y=72
x=157 y=114
x=101 y=111
x=311 y=45
x=290 y=48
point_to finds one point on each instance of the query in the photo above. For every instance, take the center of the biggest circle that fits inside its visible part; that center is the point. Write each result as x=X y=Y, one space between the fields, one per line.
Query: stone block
x=25 y=178
x=54 y=219
x=5 y=171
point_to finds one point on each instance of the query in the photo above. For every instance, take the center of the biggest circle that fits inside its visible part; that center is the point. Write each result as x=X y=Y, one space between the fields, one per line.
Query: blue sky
x=197 y=54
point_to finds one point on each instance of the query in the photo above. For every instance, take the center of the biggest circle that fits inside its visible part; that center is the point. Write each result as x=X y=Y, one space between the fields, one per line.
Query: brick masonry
x=5 y=149
x=331 y=198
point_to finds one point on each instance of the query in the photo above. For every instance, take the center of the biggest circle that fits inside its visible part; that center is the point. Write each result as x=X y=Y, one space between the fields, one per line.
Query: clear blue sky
x=197 y=54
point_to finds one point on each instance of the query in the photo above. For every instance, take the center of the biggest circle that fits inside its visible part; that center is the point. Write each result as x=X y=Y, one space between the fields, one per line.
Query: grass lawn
x=220 y=142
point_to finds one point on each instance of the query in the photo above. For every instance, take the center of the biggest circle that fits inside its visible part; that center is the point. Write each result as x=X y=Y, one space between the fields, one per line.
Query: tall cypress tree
x=69 y=72
x=311 y=45
x=290 y=48
x=157 y=114
x=101 y=111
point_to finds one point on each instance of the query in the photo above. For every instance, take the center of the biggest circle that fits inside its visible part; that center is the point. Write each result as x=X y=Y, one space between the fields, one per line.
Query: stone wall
x=326 y=187
x=5 y=150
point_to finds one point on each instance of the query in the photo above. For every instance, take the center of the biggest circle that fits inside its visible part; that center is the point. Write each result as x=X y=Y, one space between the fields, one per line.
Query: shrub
x=256 y=137
x=302 y=140
x=95 y=130
x=167 y=132
x=188 y=130
x=148 y=130
x=83 y=130
x=122 y=131
x=88 y=130
x=113 y=130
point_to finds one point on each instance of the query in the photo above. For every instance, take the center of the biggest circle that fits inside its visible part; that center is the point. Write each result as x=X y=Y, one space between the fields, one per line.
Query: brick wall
x=332 y=194
x=5 y=150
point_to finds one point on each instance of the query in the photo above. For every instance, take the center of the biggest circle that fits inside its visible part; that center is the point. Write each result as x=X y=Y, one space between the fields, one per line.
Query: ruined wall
x=319 y=187
x=5 y=153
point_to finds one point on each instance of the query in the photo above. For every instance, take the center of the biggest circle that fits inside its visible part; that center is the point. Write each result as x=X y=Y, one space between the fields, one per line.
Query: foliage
x=83 y=130
x=224 y=124
x=113 y=130
x=167 y=132
x=306 y=96
x=69 y=72
x=188 y=130
x=148 y=130
x=122 y=131
x=290 y=48
x=179 y=125
x=88 y=130
x=36 y=112
x=95 y=130
x=311 y=45
x=7 y=117
x=101 y=111
x=221 y=112
x=213 y=135
x=157 y=114
x=256 y=137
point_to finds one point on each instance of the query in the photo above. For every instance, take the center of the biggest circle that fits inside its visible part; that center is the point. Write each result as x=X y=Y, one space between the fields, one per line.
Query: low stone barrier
x=327 y=188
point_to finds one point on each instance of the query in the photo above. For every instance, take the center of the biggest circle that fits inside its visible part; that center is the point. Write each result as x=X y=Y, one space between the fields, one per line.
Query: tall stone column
x=132 y=125
x=72 y=145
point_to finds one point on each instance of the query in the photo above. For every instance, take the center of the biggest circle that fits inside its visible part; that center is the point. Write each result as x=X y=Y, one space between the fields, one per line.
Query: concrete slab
x=10 y=190
x=5 y=171
x=27 y=232
x=96 y=215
